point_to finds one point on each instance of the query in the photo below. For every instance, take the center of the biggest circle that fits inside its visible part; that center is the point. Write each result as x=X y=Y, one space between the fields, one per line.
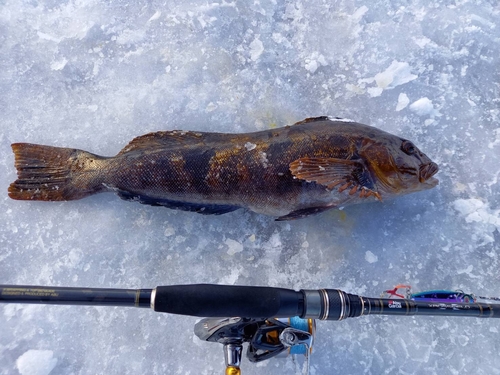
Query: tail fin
x=48 y=173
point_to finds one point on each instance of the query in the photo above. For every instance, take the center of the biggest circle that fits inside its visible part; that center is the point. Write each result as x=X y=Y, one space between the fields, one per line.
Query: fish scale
x=291 y=172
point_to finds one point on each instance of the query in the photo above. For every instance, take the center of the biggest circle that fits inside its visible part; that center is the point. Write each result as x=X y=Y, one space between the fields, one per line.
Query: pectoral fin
x=348 y=175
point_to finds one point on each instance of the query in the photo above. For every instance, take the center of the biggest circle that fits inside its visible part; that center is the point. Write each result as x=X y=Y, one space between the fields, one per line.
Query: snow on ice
x=93 y=75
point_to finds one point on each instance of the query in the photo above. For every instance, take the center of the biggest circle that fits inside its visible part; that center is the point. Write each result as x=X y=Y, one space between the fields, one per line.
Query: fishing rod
x=271 y=320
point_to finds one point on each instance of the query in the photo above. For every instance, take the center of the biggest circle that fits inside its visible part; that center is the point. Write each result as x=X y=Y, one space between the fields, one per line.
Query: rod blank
x=75 y=296
x=207 y=300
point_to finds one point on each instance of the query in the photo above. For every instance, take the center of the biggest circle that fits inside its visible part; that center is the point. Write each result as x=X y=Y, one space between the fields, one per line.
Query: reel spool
x=267 y=338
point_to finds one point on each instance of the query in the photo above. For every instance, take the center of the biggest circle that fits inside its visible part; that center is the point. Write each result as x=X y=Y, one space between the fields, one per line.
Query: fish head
x=398 y=166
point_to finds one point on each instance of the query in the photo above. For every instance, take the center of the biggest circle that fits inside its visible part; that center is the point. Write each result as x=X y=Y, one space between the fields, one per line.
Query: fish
x=290 y=172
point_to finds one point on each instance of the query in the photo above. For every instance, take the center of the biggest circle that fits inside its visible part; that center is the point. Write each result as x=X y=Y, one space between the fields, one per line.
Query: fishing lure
x=435 y=295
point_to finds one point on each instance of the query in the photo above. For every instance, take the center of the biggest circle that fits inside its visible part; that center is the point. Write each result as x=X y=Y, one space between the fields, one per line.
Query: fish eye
x=408 y=148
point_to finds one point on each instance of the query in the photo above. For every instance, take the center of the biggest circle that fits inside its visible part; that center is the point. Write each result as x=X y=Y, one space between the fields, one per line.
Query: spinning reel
x=267 y=338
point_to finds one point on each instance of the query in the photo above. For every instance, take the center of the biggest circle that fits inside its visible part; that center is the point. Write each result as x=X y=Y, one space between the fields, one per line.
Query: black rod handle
x=208 y=300
x=75 y=296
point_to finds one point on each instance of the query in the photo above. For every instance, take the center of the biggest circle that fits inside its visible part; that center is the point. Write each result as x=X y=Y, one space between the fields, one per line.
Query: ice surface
x=36 y=362
x=422 y=107
x=370 y=257
x=403 y=102
x=93 y=75
x=397 y=74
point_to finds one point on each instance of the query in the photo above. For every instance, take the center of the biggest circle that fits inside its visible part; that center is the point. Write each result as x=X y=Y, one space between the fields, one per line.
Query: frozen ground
x=93 y=75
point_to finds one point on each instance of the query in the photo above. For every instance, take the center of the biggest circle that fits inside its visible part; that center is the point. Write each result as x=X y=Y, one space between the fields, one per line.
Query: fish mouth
x=427 y=171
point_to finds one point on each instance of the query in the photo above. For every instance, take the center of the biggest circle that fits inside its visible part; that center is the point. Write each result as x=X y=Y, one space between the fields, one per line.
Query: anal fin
x=304 y=212
x=204 y=209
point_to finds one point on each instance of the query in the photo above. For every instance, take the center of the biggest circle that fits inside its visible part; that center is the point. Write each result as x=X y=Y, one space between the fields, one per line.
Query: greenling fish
x=291 y=172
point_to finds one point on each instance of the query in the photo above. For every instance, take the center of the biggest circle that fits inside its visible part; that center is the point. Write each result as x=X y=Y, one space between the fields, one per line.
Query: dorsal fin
x=163 y=139
x=312 y=119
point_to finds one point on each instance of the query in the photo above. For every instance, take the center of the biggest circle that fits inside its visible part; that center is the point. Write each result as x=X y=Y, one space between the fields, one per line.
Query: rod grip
x=208 y=300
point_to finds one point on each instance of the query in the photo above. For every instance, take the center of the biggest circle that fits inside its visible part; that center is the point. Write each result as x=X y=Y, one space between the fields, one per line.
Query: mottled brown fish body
x=288 y=172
